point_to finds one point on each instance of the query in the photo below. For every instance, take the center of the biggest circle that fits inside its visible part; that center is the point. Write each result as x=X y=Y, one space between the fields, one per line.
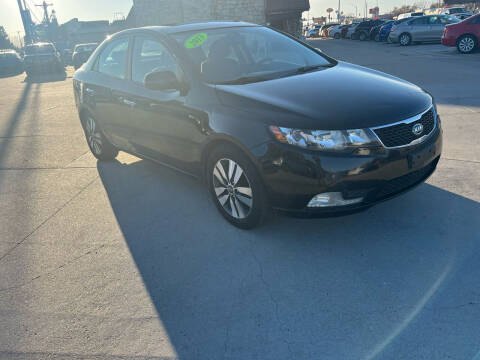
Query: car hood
x=345 y=96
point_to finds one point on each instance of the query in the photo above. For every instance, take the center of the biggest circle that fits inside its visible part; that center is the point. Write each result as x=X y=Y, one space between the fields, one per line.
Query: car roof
x=173 y=29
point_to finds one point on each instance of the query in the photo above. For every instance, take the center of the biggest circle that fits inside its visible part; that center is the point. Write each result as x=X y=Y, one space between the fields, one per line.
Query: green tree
x=5 y=42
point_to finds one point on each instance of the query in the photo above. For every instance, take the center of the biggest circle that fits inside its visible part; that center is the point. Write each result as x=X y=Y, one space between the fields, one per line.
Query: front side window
x=151 y=56
x=113 y=59
x=246 y=54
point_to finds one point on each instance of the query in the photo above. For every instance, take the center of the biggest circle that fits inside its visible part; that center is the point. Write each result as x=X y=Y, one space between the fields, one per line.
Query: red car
x=464 y=35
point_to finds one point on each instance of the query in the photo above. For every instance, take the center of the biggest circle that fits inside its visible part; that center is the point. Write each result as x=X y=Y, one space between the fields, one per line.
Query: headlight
x=326 y=140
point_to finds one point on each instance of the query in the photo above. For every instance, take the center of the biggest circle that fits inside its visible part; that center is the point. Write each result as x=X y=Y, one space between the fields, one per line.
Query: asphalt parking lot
x=130 y=260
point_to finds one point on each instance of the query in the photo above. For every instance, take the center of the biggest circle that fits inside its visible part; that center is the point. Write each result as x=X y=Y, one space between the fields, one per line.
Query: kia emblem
x=417 y=129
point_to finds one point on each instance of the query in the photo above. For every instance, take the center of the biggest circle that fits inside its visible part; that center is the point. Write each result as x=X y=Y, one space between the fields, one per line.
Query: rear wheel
x=100 y=147
x=236 y=187
x=405 y=39
x=467 y=44
x=336 y=36
x=362 y=36
x=377 y=38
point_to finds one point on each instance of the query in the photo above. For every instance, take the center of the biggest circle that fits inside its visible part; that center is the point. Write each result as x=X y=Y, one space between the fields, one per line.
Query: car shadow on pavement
x=293 y=288
x=46 y=78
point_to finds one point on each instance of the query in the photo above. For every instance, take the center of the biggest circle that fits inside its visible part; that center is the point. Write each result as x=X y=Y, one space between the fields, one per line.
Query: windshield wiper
x=305 y=69
x=243 y=80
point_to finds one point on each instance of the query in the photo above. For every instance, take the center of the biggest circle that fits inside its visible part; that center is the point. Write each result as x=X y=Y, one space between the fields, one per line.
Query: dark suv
x=362 y=31
x=42 y=57
x=264 y=119
x=81 y=53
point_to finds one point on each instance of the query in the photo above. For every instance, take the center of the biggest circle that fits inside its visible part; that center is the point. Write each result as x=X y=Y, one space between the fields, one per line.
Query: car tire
x=362 y=36
x=377 y=38
x=99 y=145
x=336 y=36
x=467 y=44
x=236 y=187
x=405 y=39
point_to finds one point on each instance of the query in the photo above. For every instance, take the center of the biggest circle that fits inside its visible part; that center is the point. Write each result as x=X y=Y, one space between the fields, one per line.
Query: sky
x=105 y=9
x=66 y=10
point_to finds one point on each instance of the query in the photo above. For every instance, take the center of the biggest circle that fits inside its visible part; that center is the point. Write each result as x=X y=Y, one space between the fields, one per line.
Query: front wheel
x=405 y=39
x=466 y=44
x=336 y=36
x=362 y=36
x=236 y=187
x=100 y=147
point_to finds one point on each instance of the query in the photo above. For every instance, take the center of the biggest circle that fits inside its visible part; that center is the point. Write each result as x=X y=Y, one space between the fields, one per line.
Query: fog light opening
x=332 y=199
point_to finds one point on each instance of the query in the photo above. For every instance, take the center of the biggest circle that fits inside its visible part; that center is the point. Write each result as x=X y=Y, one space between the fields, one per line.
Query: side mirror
x=162 y=81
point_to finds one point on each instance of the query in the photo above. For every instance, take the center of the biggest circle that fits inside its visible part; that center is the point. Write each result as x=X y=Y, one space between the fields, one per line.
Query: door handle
x=90 y=91
x=129 y=102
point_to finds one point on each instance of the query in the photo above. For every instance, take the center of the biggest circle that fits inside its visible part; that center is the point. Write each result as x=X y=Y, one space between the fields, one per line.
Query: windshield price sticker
x=196 y=40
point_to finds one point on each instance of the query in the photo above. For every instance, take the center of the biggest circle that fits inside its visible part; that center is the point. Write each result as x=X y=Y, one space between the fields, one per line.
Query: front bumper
x=294 y=176
x=393 y=37
x=449 y=41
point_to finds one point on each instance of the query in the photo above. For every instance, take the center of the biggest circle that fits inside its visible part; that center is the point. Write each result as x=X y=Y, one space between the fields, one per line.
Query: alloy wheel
x=466 y=44
x=232 y=188
x=404 y=39
x=94 y=137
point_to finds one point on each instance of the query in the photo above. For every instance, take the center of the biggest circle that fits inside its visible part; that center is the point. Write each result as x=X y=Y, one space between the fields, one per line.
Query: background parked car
x=362 y=31
x=421 y=29
x=10 y=62
x=324 y=31
x=385 y=29
x=464 y=35
x=81 y=53
x=67 y=57
x=458 y=11
x=335 y=31
x=411 y=14
x=42 y=57
x=375 y=31
x=351 y=31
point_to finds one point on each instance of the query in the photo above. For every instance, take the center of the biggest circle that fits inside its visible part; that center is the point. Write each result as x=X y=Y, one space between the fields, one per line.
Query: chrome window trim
x=409 y=121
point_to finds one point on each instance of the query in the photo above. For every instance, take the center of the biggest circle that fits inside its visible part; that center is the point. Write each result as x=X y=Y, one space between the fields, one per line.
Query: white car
x=335 y=32
x=350 y=31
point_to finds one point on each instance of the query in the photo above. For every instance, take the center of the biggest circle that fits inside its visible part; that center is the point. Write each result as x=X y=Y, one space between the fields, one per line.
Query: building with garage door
x=282 y=14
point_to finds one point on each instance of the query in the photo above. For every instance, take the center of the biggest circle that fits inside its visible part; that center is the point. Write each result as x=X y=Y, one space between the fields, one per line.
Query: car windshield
x=247 y=54
x=39 y=49
x=457 y=10
x=88 y=47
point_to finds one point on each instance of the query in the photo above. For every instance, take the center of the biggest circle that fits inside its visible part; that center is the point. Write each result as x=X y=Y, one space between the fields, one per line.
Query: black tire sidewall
x=109 y=151
x=259 y=205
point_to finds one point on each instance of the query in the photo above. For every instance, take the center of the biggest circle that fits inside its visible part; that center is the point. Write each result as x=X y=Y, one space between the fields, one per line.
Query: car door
x=106 y=91
x=419 y=28
x=436 y=26
x=166 y=128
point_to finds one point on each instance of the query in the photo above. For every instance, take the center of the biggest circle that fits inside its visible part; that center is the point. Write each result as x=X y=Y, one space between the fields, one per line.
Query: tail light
x=394 y=28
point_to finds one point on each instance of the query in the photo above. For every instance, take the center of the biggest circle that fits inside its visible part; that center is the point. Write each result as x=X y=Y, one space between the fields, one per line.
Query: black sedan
x=264 y=119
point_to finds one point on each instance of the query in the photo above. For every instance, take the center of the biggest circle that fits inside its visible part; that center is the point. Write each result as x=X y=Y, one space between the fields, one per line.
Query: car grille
x=402 y=134
x=404 y=182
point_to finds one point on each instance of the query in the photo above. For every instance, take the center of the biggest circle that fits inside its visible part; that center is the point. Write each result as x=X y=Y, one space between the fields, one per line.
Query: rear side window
x=151 y=56
x=419 y=21
x=113 y=59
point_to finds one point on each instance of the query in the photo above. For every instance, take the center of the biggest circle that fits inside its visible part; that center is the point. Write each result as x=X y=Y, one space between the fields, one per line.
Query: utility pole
x=338 y=12
x=46 y=18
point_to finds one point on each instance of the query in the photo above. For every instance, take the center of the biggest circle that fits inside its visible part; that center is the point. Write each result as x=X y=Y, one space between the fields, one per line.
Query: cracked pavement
x=130 y=260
